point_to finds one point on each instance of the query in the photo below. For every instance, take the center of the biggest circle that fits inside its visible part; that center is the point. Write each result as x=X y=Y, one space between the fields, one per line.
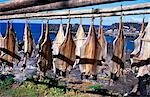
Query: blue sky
x=106 y=20
x=4 y=0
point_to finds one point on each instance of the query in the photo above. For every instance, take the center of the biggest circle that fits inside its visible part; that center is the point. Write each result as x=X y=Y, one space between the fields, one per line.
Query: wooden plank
x=139 y=12
x=17 y=4
x=23 y=16
x=60 y=5
x=81 y=12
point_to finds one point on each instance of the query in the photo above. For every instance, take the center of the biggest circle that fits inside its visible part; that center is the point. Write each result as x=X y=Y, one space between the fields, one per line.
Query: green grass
x=30 y=89
x=5 y=84
x=21 y=92
x=95 y=87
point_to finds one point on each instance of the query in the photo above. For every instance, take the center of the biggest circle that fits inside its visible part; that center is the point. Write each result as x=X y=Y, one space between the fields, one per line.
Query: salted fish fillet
x=102 y=40
x=29 y=45
x=66 y=57
x=144 y=53
x=58 y=40
x=10 y=47
x=145 y=48
x=28 y=41
x=118 y=52
x=45 y=58
x=91 y=53
x=80 y=40
x=138 y=41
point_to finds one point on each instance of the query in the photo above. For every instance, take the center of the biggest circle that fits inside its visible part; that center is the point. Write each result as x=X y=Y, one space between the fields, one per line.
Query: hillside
x=54 y=27
x=128 y=25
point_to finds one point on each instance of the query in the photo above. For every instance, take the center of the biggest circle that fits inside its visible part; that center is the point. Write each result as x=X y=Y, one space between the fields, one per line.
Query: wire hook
x=69 y=17
x=47 y=21
x=143 y=16
x=101 y=20
x=80 y=20
x=92 y=16
x=121 y=9
x=61 y=20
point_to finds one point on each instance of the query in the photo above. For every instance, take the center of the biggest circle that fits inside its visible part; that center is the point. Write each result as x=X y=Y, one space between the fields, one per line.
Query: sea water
x=36 y=32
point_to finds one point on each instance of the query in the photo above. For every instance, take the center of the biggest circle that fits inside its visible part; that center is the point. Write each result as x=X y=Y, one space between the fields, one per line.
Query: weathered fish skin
x=118 y=54
x=138 y=42
x=58 y=40
x=45 y=58
x=91 y=50
x=28 y=44
x=102 y=40
x=80 y=40
x=66 y=57
x=10 y=47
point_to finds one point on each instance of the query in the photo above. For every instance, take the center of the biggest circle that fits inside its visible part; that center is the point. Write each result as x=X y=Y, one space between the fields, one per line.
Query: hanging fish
x=42 y=37
x=66 y=57
x=143 y=59
x=102 y=40
x=80 y=39
x=10 y=49
x=56 y=44
x=138 y=42
x=45 y=58
x=118 y=54
x=58 y=40
x=91 y=54
x=28 y=44
x=145 y=47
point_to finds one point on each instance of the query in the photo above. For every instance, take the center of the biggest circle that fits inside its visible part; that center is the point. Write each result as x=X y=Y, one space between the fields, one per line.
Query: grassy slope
x=28 y=89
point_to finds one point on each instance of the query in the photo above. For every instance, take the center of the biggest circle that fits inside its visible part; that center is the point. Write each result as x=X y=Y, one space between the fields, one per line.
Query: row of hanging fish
x=65 y=52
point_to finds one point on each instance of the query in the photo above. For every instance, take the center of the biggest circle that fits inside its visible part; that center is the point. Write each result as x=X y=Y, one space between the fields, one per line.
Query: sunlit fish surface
x=28 y=44
x=102 y=40
x=58 y=40
x=118 y=54
x=10 y=47
x=80 y=40
x=91 y=54
x=138 y=42
x=66 y=57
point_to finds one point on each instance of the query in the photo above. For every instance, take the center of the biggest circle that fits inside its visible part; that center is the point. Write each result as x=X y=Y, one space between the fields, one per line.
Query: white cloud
x=136 y=19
